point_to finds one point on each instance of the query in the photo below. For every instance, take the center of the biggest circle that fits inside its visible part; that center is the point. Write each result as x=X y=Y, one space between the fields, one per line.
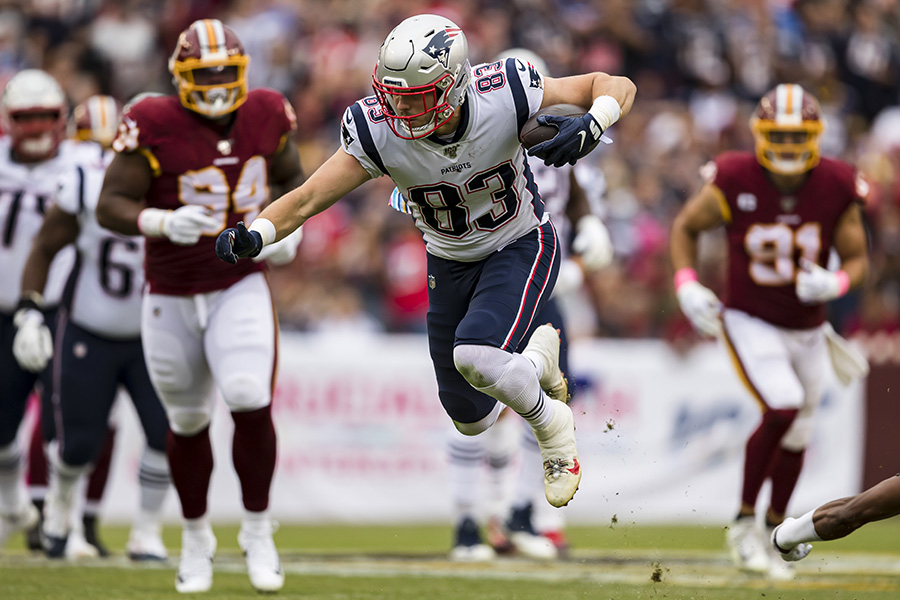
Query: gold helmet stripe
x=211 y=34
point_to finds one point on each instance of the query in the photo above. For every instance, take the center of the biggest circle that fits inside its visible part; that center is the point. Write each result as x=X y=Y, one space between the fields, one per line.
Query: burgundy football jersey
x=195 y=161
x=768 y=233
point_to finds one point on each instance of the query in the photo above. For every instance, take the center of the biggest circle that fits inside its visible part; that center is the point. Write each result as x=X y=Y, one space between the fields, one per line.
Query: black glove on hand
x=576 y=138
x=238 y=242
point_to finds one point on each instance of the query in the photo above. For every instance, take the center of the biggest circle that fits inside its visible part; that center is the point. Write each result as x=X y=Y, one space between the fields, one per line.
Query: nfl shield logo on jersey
x=431 y=281
x=746 y=202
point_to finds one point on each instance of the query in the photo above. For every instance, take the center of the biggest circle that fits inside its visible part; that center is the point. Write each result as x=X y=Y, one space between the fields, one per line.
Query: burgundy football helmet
x=209 y=68
x=787 y=126
x=97 y=120
x=33 y=110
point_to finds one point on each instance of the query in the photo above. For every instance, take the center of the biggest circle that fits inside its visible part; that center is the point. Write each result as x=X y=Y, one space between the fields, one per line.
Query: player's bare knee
x=243 y=392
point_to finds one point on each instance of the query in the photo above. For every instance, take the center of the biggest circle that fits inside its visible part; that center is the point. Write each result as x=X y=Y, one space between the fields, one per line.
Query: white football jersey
x=108 y=279
x=473 y=194
x=26 y=192
x=555 y=184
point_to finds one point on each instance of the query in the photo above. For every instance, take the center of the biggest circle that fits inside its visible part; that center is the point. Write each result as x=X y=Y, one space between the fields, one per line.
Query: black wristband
x=27 y=302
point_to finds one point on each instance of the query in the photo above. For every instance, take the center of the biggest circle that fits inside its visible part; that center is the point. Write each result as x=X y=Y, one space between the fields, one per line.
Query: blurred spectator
x=701 y=65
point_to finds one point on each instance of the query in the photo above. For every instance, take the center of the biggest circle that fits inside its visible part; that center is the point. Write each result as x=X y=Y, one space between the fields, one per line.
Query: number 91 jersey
x=470 y=194
x=196 y=161
x=768 y=233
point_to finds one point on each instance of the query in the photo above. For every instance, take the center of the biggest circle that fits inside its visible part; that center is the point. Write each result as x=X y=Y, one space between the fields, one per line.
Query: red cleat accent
x=576 y=469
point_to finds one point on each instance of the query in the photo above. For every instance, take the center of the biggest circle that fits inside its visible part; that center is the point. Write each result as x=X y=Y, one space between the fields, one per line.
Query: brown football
x=533 y=133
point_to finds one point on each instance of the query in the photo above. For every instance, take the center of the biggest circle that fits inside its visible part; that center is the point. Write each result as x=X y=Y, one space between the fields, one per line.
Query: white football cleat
x=562 y=472
x=746 y=545
x=195 y=571
x=263 y=564
x=544 y=344
x=23 y=520
x=525 y=539
x=798 y=552
x=77 y=547
x=145 y=543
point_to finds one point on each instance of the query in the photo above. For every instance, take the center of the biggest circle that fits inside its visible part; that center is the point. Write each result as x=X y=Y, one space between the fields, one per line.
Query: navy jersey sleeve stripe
x=365 y=138
x=518 y=92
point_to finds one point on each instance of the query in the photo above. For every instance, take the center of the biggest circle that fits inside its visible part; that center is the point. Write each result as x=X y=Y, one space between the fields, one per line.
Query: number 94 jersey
x=470 y=194
x=768 y=233
x=195 y=161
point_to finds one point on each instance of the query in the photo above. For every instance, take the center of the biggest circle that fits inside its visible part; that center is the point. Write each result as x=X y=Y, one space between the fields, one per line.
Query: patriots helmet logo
x=438 y=47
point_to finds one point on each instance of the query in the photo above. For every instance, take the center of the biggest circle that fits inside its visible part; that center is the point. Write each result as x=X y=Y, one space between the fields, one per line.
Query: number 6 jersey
x=768 y=233
x=196 y=161
x=472 y=193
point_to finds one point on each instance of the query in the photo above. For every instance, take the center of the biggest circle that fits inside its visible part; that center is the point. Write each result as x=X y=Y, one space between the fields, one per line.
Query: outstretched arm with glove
x=32 y=346
x=698 y=303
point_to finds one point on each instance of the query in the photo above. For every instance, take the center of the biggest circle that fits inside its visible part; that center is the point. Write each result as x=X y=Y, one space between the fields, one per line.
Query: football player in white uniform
x=448 y=136
x=98 y=348
x=34 y=156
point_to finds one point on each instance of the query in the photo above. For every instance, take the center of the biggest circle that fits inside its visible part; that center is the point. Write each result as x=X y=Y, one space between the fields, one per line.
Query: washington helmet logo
x=438 y=46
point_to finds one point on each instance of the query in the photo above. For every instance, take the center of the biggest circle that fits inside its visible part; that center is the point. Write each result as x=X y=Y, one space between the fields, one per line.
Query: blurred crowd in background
x=700 y=66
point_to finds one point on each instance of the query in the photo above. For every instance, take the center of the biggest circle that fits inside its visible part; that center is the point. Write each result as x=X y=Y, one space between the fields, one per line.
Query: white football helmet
x=425 y=57
x=525 y=55
x=30 y=94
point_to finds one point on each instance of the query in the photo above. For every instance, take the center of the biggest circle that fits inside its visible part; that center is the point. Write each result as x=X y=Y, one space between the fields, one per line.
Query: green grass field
x=386 y=563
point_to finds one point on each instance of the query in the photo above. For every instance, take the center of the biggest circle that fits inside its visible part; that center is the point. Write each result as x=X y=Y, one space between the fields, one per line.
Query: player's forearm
x=683 y=246
x=621 y=89
x=119 y=213
x=857 y=269
x=34 y=277
x=285 y=216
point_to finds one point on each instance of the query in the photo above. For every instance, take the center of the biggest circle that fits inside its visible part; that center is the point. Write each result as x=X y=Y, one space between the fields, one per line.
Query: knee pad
x=482 y=424
x=187 y=421
x=798 y=435
x=243 y=392
x=481 y=366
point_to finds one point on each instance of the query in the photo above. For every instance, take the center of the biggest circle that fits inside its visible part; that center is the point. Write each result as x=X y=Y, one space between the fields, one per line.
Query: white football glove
x=183 y=226
x=701 y=306
x=570 y=278
x=32 y=346
x=816 y=285
x=592 y=243
x=283 y=251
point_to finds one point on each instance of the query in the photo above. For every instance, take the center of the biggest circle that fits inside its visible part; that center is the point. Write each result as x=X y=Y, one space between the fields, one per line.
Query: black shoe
x=520 y=520
x=468 y=545
x=90 y=534
x=54 y=547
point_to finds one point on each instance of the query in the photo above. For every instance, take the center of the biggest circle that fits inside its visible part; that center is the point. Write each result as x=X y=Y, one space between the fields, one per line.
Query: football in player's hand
x=534 y=133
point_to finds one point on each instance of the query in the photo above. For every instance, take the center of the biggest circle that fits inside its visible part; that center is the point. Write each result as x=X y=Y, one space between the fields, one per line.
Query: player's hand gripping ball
x=560 y=134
